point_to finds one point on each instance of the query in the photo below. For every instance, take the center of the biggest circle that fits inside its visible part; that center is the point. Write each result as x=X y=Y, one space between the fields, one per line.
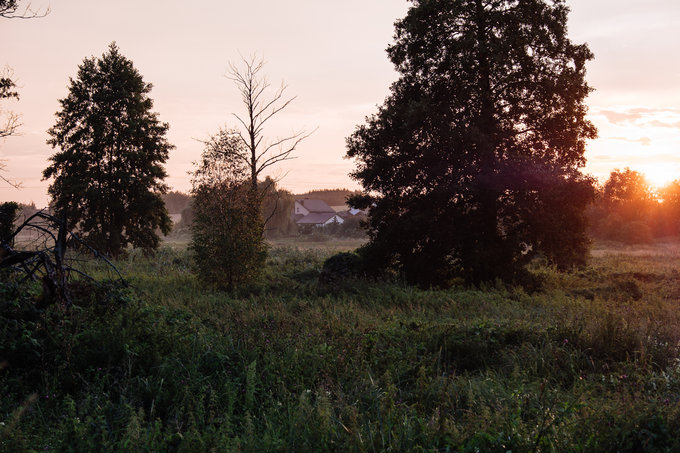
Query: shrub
x=341 y=266
x=227 y=240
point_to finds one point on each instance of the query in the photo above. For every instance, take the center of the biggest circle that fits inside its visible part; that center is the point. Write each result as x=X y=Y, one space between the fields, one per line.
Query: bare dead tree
x=262 y=103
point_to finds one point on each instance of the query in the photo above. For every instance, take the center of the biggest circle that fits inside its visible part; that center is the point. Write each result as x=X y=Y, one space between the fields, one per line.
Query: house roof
x=313 y=205
x=316 y=218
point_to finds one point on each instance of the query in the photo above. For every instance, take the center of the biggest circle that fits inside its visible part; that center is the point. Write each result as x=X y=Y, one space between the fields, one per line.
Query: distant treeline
x=333 y=197
x=276 y=209
x=628 y=209
x=176 y=201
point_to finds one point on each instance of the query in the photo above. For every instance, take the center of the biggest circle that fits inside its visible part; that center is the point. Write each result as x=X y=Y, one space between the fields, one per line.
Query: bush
x=341 y=266
x=227 y=240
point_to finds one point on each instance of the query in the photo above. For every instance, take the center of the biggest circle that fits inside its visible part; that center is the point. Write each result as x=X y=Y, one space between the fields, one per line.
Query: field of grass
x=588 y=363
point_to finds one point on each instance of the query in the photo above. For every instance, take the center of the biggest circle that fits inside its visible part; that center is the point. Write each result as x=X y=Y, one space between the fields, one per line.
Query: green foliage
x=227 y=228
x=108 y=173
x=288 y=365
x=475 y=157
x=226 y=236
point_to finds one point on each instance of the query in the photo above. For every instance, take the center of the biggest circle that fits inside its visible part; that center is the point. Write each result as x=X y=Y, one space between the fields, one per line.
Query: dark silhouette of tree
x=108 y=174
x=473 y=161
x=227 y=240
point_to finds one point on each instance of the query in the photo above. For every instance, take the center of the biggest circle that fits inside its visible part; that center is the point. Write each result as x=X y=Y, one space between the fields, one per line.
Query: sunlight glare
x=659 y=174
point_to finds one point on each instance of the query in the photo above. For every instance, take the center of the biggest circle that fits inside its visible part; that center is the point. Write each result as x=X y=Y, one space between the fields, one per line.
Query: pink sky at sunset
x=331 y=55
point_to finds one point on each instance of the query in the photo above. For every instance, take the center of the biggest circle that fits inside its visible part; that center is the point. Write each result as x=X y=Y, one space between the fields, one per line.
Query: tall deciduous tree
x=473 y=162
x=108 y=174
x=227 y=240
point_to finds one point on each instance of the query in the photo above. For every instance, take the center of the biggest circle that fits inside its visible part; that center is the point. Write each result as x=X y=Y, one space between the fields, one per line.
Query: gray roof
x=316 y=218
x=313 y=205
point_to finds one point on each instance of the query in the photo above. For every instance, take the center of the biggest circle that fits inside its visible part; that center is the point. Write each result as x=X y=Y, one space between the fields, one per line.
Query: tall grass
x=590 y=363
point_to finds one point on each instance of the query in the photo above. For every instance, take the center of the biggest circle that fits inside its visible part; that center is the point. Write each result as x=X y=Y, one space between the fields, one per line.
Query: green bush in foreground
x=287 y=365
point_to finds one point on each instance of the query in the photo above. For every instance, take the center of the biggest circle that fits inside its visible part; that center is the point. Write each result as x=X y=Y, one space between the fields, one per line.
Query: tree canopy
x=227 y=239
x=473 y=161
x=108 y=175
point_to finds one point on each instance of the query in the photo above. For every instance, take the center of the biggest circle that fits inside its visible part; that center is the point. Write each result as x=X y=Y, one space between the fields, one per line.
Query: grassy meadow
x=589 y=363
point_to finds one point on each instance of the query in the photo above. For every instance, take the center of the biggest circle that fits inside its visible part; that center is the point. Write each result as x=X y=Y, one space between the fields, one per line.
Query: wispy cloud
x=644 y=141
x=638 y=116
x=658 y=123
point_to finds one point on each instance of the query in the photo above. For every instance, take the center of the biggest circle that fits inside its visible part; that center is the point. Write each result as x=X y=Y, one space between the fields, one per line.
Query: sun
x=659 y=174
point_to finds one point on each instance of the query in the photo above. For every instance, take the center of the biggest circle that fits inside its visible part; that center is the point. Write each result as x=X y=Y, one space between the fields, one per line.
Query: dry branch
x=48 y=261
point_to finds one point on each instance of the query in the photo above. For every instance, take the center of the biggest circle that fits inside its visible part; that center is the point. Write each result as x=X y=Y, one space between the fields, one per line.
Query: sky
x=331 y=56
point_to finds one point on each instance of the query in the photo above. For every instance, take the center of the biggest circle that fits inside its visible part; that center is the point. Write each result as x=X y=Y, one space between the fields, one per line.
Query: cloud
x=658 y=123
x=638 y=116
x=602 y=158
x=620 y=117
x=644 y=141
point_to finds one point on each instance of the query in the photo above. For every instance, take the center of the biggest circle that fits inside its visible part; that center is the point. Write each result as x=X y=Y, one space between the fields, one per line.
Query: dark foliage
x=8 y=214
x=332 y=197
x=341 y=266
x=108 y=175
x=479 y=143
x=227 y=240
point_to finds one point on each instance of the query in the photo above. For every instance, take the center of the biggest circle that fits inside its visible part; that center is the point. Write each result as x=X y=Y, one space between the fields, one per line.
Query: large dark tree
x=473 y=161
x=108 y=174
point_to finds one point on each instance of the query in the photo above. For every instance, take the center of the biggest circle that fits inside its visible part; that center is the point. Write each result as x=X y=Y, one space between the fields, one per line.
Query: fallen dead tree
x=43 y=255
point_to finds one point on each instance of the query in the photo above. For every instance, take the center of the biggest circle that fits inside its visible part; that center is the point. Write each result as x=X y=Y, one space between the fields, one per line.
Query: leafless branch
x=49 y=260
x=11 y=126
x=16 y=185
x=9 y=9
x=261 y=108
